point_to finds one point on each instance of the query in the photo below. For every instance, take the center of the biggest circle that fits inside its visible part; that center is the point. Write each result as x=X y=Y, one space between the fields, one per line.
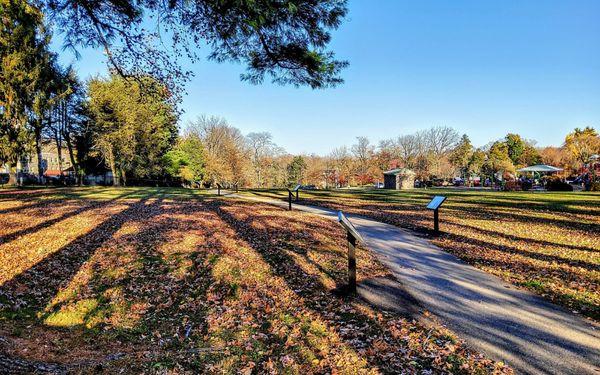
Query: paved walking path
x=527 y=332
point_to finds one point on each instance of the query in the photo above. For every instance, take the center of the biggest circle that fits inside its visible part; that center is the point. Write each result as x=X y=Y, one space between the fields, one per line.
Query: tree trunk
x=13 y=178
x=113 y=168
x=38 y=150
x=72 y=157
x=13 y=365
x=58 y=140
x=123 y=177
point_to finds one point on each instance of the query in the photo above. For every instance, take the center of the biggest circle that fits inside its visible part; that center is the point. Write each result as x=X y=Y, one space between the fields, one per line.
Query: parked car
x=378 y=185
x=4 y=178
x=27 y=178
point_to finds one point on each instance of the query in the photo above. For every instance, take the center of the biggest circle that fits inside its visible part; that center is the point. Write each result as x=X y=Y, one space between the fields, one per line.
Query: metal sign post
x=290 y=199
x=435 y=205
x=353 y=236
x=296 y=190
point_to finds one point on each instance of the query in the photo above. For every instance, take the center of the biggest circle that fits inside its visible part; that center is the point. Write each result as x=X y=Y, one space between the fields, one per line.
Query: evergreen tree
x=515 y=147
x=283 y=40
x=187 y=159
x=295 y=170
x=461 y=155
x=23 y=61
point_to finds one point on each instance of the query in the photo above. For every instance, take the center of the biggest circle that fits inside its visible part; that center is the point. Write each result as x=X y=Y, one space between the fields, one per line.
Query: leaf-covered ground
x=147 y=280
x=546 y=242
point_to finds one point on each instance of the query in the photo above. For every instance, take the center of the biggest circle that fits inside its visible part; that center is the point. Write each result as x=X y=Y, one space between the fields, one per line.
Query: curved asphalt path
x=508 y=324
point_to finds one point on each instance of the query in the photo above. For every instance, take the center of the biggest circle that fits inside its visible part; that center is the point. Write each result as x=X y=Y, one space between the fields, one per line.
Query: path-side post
x=290 y=199
x=219 y=189
x=435 y=205
x=351 y=263
x=297 y=190
x=353 y=237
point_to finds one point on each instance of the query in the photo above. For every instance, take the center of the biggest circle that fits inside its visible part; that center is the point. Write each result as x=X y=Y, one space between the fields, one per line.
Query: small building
x=398 y=179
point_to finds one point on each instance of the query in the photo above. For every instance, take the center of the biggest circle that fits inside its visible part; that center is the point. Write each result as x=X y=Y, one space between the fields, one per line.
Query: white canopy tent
x=540 y=168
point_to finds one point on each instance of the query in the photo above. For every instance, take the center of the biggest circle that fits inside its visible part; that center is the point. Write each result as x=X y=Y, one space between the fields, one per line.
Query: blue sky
x=485 y=68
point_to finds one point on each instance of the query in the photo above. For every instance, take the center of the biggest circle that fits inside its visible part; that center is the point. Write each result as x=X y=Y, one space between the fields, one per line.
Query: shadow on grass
x=42 y=281
x=166 y=301
x=87 y=206
x=259 y=237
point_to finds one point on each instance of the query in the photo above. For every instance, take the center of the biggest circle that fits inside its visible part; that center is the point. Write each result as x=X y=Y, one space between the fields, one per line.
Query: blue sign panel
x=436 y=202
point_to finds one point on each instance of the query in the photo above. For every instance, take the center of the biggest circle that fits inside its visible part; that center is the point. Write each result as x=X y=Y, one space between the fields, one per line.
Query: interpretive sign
x=434 y=205
x=436 y=202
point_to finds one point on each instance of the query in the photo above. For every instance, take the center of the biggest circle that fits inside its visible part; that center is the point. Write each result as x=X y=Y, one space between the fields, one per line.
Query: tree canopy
x=283 y=40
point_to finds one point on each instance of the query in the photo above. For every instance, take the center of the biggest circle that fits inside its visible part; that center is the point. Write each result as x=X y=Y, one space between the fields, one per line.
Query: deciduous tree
x=582 y=144
x=130 y=128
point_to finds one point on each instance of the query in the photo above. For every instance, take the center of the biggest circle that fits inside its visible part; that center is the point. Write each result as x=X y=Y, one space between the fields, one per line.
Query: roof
x=540 y=168
x=398 y=171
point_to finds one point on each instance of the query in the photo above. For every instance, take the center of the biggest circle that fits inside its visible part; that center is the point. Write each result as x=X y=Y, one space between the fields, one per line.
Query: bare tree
x=341 y=161
x=262 y=149
x=226 y=150
x=441 y=140
x=363 y=152
x=409 y=147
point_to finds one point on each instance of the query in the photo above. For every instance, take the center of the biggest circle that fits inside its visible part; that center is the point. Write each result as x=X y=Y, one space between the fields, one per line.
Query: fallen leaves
x=548 y=243
x=154 y=282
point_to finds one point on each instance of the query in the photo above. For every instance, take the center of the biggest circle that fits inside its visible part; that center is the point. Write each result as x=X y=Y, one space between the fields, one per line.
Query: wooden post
x=351 y=263
x=353 y=237
x=236 y=188
x=436 y=222
x=297 y=194
x=290 y=199
x=218 y=190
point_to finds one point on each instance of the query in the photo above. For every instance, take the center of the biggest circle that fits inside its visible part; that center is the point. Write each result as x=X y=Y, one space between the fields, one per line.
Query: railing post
x=351 y=263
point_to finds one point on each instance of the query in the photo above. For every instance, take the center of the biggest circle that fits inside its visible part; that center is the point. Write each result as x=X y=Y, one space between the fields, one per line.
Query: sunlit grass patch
x=72 y=314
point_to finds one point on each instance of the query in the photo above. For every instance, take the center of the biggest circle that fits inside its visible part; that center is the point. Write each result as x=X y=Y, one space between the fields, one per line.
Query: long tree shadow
x=531 y=241
x=309 y=288
x=164 y=288
x=36 y=286
x=151 y=281
x=85 y=206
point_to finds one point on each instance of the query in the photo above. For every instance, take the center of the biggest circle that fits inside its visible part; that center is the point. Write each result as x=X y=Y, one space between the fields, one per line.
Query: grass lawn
x=546 y=242
x=148 y=279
